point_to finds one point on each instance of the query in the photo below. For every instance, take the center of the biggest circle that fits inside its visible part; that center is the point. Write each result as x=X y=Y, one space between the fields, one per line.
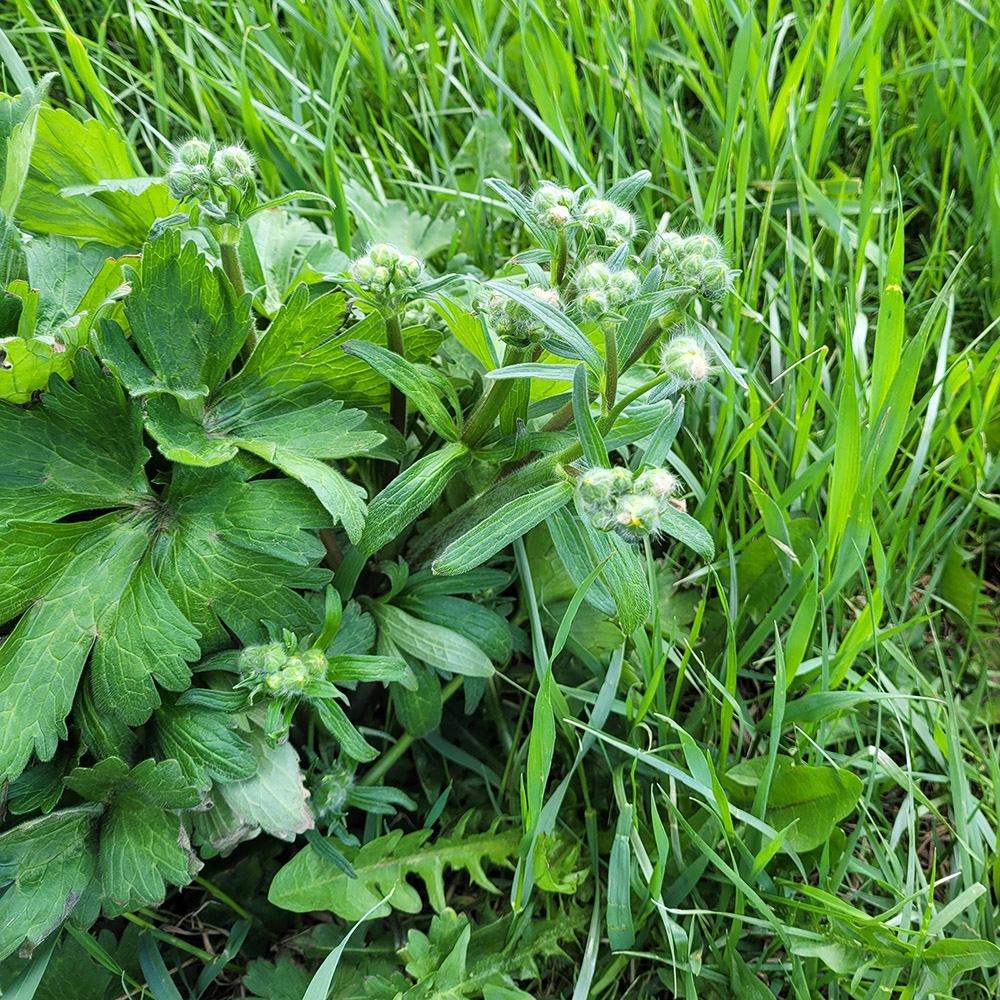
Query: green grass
x=847 y=153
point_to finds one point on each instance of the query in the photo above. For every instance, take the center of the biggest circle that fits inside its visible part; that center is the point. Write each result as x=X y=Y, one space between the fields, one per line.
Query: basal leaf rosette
x=142 y=578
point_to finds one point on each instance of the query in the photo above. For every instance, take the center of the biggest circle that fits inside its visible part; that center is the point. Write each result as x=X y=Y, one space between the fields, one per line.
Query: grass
x=847 y=154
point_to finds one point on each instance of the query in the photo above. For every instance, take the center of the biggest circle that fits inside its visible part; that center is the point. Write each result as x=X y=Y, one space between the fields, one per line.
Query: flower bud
x=659 y=483
x=232 y=165
x=705 y=244
x=557 y=217
x=671 y=249
x=549 y=196
x=408 y=269
x=685 y=361
x=380 y=279
x=384 y=255
x=637 y=514
x=622 y=227
x=624 y=285
x=295 y=676
x=330 y=793
x=716 y=279
x=593 y=277
x=593 y=305
x=692 y=266
x=194 y=152
x=258 y=661
x=550 y=296
x=597 y=485
x=363 y=270
x=622 y=480
x=599 y=214
x=180 y=183
x=273 y=682
x=315 y=662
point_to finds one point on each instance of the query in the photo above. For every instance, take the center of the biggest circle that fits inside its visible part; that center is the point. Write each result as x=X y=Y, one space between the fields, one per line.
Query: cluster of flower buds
x=686 y=362
x=557 y=207
x=617 y=223
x=208 y=172
x=695 y=261
x=383 y=270
x=513 y=322
x=280 y=670
x=553 y=206
x=601 y=290
x=615 y=500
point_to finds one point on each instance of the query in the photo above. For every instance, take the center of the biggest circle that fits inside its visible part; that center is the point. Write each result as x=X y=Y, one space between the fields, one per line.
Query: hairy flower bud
x=408 y=269
x=194 y=152
x=716 y=279
x=549 y=196
x=705 y=244
x=180 y=182
x=557 y=217
x=684 y=359
x=384 y=255
x=295 y=676
x=597 y=485
x=599 y=214
x=593 y=277
x=232 y=165
x=624 y=285
x=637 y=514
x=659 y=483
x=273 y=682
x=362 y=270
x=315 y=662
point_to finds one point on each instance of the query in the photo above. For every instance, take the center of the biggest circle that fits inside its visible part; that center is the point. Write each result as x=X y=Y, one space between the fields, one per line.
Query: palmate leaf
x=185 y=321
x=143 y=843
x=48 y=866
x=135 y=588
x=311 y=882
x=83 y=184
x=187 y=328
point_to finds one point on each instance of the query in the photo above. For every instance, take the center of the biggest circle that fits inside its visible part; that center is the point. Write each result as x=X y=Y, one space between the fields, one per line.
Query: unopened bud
x=637 y=513
x=384 y=255
x=660 y=483
x=549 y=196
x=315 y=662
x=624 y=285
x=599 y=214
x=194 y=152
x=593 y=277
x=705 y=244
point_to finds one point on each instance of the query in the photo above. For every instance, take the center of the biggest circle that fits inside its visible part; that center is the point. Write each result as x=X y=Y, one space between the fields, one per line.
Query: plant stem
x=610 y=365
x=231 y=265
x=401 y=745
x=559 y=272
x=488 y=408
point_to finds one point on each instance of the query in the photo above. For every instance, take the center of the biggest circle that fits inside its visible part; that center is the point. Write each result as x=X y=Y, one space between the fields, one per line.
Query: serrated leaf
x=510 y=522
x=83 y=157
x=212 y=553
x=48 y=865
x=302 y=345
x=143 y=845
x=185 y=320
x=203 y=744
x=310 y=882
x=59 y=457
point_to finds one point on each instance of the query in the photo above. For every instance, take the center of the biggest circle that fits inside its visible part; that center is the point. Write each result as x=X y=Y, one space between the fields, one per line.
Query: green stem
x=610 y=365
x=559 y=272
x=401 y=745
x=488 y=408
x=231 y=265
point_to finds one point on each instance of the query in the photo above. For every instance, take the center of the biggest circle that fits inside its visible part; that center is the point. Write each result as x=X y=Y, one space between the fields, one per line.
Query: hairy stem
x=397 y=401
x=610 y=365
x=491 y=402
